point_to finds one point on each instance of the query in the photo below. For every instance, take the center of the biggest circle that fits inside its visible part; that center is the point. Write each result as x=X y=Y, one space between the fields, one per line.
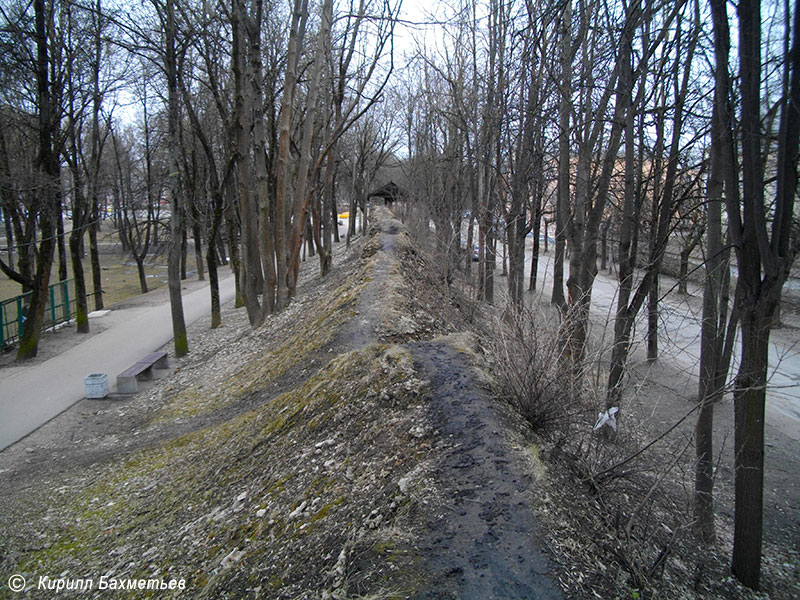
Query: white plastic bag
x=607 y=417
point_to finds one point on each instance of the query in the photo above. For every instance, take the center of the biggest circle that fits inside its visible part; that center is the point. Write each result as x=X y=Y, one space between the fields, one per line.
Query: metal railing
x=60 y=308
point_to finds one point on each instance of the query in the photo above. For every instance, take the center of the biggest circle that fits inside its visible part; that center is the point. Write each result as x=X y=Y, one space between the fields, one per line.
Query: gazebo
x=389 y=192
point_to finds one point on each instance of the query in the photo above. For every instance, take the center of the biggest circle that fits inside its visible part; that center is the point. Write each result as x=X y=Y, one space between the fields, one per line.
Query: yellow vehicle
x=344 y=215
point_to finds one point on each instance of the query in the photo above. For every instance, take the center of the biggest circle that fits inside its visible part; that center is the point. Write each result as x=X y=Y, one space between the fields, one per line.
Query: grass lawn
x=120 y=277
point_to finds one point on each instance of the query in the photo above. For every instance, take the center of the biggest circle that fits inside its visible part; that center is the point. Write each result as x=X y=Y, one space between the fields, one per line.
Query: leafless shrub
x=637 y=490
x=531 y=375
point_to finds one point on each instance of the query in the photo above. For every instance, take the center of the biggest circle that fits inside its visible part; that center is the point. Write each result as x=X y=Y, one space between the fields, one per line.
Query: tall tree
x=85 y=94
x=169 y=56
x=567 y=55
x=44 y=61
x=717 y=330
x=764 y=251
x=630 y=299
x=591 y=196
x=220 y=158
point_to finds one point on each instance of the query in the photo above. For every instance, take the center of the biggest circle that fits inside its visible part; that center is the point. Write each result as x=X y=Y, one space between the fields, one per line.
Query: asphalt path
x=32 y=395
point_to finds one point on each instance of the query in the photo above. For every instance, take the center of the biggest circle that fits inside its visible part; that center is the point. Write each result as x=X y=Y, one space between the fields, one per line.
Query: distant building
x=389 y=193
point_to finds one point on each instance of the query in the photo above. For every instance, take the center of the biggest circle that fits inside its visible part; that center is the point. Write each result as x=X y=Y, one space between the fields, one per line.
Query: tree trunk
x=326 y=251
x=684 y=273
x=536 y=218
x=222 y=252
x=334 y=216
x=749 y=399
x=213 y=281
x=93 y=210
x=231 y=221
x=470 y=241
x=47 y=165
x=34 y=316
x=252 y=277
x=211 y=258
x=624 y=317
x=81 y=308
x=62 y=250
x=652 y=298
x=604 y=245
x=94 y=253
x=714 y=358
x=181 y=340
x=652 y=320
x=304 y=184
x=282 y=193
x=183 y=247
x=142 y=273
x=197 y=237
x=563 y=195
x=263 y=209
x=764 y=252
x=662 y=214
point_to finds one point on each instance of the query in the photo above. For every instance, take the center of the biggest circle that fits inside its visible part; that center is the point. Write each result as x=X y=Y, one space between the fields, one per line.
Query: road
x=32 y=395
x=679 y=337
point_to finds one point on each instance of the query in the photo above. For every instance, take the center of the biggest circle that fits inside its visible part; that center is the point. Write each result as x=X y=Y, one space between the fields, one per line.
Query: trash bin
x=96 y=385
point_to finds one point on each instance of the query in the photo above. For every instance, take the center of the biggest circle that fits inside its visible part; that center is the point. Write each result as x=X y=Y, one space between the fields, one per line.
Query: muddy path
x=479 y=536
x=482 y=541
x=363 y=328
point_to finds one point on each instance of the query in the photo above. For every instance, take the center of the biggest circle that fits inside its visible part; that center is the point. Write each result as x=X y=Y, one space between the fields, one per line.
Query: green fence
x=61 y=308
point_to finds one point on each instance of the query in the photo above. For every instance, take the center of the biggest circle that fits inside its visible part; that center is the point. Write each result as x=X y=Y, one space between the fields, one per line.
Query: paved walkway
x=31 y=396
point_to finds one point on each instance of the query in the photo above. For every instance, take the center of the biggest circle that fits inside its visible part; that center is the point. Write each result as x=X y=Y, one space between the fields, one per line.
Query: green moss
x=384 y=547
x=323 y=512
x=27 y=347
x=81 y=320
x=181 y=343
x=263 y=368
x=277 y=487
x=538 y=466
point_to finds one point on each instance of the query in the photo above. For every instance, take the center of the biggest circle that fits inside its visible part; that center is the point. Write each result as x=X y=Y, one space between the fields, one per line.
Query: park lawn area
x=120 y=278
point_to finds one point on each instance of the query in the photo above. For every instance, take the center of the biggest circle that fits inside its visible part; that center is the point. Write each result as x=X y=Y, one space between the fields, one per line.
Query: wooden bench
x=126 y=381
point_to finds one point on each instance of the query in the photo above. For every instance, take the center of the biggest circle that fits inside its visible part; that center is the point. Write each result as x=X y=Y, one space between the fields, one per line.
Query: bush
x=531 y=372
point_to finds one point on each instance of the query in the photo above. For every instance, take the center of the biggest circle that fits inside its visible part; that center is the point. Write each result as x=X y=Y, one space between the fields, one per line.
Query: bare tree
x=85 y=93
x=567 y=55
x=219 y=158
x=137 y=195
x=717 y=329
x=629 y=302
x=43 y=62
x=764 y=251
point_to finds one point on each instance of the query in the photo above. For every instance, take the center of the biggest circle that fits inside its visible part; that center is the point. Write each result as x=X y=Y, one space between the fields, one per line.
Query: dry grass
x=120 y=277
x=279 y=478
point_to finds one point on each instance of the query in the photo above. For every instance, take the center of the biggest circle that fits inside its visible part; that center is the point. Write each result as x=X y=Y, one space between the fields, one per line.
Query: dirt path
x=483 y=541
x=480 y=540
x=363 y=328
